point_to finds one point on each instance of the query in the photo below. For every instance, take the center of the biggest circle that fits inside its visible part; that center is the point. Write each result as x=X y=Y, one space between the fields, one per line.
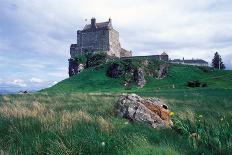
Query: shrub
x=205 y=69
x=191 y=84
x=204 y=85
x=115 y=70
x=95 y=59
x=81 y=59
x=196 y=83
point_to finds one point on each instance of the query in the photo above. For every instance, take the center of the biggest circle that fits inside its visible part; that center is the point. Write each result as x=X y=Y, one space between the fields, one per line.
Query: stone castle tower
x=99 y=37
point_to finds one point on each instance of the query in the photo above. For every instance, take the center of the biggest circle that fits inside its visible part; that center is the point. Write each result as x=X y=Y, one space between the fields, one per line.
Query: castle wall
x=91 y=41
x=125 y=53
x=114 y=44
x=98 y=37
x=95 y=40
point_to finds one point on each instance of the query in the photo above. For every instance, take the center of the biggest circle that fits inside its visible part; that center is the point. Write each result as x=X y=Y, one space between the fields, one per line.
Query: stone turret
x=93 y=23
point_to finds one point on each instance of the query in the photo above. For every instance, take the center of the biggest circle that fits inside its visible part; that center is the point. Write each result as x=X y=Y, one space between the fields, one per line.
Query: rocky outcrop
x=151 y=111
x=139 y=77
x=80 y=68
x=74 y=67
x=162 y=71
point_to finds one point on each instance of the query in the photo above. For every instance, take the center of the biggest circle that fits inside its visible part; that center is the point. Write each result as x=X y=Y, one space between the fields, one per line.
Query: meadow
x=85 y=123
x=77 y=116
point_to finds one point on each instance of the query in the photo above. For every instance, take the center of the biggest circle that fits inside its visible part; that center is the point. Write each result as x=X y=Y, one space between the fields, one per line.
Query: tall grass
x=82 y=123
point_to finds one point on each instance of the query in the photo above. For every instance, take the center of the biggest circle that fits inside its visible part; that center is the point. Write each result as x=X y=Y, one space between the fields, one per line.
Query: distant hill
x=5 y=92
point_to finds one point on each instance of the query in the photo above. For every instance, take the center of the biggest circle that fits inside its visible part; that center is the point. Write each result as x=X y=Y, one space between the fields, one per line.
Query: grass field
x=76 y=117
x=92 y=80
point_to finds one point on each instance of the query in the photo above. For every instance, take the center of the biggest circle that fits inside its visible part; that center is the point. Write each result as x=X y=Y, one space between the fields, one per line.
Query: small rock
x=80 y=68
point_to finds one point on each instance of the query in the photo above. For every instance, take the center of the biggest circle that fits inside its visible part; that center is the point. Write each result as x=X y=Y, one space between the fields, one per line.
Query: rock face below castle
x=98 y=37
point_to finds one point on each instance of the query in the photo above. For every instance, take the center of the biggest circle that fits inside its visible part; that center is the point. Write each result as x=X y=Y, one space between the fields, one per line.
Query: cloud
x=60 y=73
x=16 y=85
x=36 y=80
x=17 y=82
x=55 y=82
x=35 y=35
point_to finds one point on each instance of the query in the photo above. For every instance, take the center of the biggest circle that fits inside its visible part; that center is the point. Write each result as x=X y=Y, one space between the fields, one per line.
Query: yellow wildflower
x=171 y=113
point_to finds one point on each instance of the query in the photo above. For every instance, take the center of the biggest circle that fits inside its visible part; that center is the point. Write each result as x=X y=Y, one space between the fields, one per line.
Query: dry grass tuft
x=187 y=114
x=5 y=99
x=84 y=116
x=67 y=118
x=104 y=124
x=20 y=110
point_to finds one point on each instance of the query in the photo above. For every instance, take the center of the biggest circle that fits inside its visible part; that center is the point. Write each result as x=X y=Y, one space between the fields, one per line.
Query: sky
x=35 y=35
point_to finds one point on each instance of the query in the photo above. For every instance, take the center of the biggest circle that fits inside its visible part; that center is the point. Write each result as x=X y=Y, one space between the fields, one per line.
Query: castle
x=102 y=37
x=99 y=37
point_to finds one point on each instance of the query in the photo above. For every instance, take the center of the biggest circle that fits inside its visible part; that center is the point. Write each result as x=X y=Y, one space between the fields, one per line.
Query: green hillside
x=77 y=116
x=95 y=80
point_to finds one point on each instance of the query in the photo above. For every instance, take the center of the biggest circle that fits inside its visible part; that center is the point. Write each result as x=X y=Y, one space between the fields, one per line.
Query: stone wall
x=98 y=37
x=125 y=53
x=93 y=41
x=157 y=57
x=114 y=44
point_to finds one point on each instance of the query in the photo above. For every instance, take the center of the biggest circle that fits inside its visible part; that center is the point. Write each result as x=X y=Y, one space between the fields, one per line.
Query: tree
x=217 y=62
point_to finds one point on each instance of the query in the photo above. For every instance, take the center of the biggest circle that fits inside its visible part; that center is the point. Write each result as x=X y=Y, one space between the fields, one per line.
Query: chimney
x=93 y=23
x=110 y=20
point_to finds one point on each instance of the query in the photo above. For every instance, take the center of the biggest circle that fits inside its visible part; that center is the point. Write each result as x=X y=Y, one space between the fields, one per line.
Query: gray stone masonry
x=98 y=37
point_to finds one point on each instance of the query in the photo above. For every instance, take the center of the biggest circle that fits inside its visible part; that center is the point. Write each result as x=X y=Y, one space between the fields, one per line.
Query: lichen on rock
x=151 y=111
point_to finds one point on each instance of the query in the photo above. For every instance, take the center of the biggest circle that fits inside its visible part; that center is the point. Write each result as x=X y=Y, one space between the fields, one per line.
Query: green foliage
x=85 y=123
x=81 y=59
x=96 y=59
x=153 y=67
x=196 y=83
x=203 y=133
x=115 y=70
x=206 y=69
x=204 y=85
x=96 y=80
x=217 y=62
x=91 y=59
x=77 y=115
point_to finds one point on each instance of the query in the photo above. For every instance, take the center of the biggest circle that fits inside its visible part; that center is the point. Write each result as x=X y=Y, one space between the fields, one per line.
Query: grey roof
x=98 y=25
x=193 y=61
x=164 y=53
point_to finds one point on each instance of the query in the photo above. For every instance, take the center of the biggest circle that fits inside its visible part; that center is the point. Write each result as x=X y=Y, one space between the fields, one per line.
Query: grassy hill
x=92 y=80
x=77 y=116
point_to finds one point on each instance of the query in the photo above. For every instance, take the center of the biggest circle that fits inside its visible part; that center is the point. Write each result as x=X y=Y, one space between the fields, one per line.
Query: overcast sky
x=35 y=35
